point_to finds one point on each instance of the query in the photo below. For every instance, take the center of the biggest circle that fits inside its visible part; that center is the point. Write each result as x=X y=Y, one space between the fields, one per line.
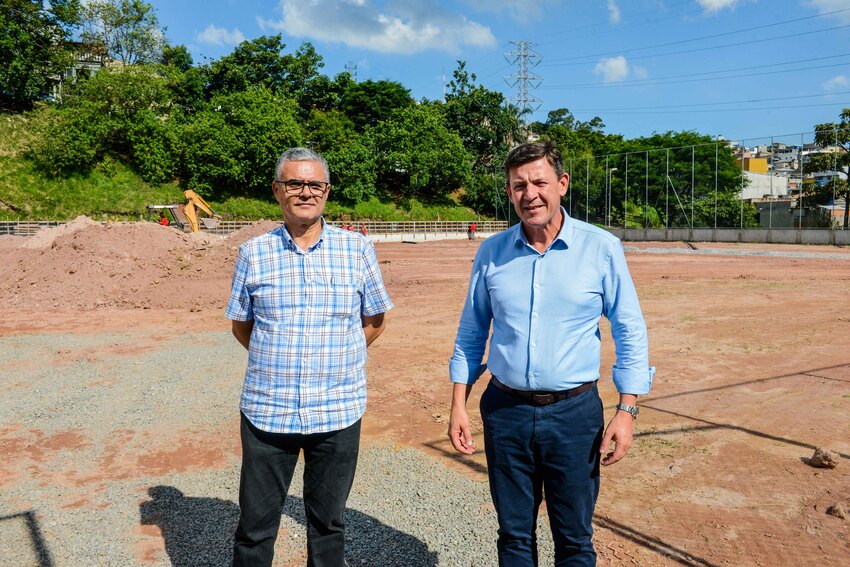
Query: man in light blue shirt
x=543 y=284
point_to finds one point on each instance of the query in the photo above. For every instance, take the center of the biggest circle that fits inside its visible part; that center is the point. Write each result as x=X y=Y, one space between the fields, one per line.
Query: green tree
x=330 y=130
x=370 y=102
x=176 y=56
x=832 y=134
x=322 y=93
x=417 y=157
x=232 y=146
x=353 y=170
x=479 y=116
x=186 y=82
x=123 y=113
x=33 y=48
x=261 y=63
x=128 y=30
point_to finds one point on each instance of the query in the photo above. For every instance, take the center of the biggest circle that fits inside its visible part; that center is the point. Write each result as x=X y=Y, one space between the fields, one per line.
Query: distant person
x=470 y=232
x=363 y=230
x=307 y=299
x=544 y=284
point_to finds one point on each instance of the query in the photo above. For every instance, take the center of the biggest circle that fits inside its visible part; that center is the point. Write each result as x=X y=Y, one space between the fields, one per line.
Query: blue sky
x=737 y=68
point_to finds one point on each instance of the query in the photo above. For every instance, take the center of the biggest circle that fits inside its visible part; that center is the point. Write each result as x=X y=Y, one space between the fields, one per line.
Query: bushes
x=232 y=147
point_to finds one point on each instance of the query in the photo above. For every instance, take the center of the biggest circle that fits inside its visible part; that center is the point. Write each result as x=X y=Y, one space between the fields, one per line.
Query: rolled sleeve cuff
x=631 y=381
x=462 y=372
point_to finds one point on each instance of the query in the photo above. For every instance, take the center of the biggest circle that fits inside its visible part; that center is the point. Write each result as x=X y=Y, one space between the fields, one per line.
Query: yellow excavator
x=188 y=212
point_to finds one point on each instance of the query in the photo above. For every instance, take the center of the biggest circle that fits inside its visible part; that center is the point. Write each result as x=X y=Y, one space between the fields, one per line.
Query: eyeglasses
x=296 y=186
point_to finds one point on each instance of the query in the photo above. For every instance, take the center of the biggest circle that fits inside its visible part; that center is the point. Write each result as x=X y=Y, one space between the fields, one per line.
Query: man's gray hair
x=301 y=154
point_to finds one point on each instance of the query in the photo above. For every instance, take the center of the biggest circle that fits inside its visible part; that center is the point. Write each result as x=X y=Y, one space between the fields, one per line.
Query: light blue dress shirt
x=545 y=310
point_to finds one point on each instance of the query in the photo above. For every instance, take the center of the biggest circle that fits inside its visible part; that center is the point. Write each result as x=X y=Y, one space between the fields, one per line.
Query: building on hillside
x=89 y=60
x=824 y=177
x=752 y=164
x=764 y=186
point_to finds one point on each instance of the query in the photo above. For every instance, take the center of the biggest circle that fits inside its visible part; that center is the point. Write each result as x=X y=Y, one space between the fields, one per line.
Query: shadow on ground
x=199 y=531
x=39 y=546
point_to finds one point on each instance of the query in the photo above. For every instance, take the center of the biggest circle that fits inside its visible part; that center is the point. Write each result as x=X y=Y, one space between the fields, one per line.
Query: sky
x=751 y=70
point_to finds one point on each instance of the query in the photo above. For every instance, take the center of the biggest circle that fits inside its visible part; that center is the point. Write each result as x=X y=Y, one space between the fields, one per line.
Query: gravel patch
x=101 y=437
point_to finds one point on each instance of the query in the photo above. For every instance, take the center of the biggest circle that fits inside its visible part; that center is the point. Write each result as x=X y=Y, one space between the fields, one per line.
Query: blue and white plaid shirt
x=307 y=355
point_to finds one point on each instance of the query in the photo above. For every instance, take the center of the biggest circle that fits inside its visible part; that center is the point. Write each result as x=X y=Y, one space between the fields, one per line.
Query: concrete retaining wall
x=758 y=235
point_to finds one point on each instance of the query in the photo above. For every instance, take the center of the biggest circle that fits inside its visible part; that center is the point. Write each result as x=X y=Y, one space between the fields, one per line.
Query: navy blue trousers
x=268 y=463
x=532 y=450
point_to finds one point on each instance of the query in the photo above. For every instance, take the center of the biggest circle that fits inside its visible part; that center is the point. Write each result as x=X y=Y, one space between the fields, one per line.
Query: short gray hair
x=301 y=154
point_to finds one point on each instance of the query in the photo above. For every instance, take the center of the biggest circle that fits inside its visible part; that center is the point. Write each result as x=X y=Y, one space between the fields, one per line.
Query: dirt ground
x=752 y=351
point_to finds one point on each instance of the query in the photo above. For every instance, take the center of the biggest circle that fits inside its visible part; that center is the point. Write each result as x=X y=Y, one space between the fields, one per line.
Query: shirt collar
x=290 y=243
x=564 y=235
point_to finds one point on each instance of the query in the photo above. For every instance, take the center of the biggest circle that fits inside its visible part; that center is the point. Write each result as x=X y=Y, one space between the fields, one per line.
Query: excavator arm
x=190 y=209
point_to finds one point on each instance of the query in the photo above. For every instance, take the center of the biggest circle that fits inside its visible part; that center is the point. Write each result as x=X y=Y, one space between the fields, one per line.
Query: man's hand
x=619 y=431
x=459 y=433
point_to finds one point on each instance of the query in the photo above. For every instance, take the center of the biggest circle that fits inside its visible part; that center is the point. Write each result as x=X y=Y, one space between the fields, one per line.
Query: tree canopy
x=128 y=30
x=33 y=48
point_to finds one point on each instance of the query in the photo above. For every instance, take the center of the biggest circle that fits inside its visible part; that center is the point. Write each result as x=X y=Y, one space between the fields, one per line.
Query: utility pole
x=524 y=57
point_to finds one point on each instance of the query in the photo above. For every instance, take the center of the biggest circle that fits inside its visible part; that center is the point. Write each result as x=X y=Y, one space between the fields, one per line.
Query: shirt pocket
x=340 y=296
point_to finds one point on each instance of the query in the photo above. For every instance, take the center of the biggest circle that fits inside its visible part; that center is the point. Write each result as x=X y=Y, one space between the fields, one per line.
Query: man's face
x=302 y=207
x=536 y=192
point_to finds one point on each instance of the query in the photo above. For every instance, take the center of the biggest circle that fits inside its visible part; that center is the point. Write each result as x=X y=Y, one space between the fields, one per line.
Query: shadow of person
x=370 y=543
x=197 y=531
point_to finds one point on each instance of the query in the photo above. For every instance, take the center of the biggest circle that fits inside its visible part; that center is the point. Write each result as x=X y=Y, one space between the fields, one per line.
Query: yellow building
x=755 y=165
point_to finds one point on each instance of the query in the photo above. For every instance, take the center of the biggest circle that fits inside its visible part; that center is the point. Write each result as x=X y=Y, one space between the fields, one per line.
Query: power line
x=620 y=28
x=713 y=103
x=696 y=110
x=712 y=36
x=656 y=82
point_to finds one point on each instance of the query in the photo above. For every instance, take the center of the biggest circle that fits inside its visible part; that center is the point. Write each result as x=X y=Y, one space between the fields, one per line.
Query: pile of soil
x=86 y=265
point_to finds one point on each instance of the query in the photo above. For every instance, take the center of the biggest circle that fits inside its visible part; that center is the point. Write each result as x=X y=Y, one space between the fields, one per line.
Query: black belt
x=540 y=398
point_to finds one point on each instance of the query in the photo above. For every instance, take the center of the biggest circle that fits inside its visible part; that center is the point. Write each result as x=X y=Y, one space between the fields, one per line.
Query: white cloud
x=717 y=5
x=400 y=26
x=825 y=6
x=220 y=36
x=836 y=83
x=612 y=69
x=613 y=12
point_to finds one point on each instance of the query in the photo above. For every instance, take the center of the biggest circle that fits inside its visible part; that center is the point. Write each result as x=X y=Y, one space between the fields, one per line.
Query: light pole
x=608 y=197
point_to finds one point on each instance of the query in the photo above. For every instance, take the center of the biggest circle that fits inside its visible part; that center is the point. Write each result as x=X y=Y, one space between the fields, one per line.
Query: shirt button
x=534 y=314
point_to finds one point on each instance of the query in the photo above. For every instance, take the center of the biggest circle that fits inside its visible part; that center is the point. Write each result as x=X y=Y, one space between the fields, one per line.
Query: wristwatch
x=633 y=410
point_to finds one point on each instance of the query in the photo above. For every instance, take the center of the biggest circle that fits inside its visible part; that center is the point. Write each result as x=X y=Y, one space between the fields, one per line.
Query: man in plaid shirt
x=307 y=299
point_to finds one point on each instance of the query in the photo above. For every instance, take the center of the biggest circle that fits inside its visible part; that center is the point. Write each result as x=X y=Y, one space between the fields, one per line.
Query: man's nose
x=531 y=192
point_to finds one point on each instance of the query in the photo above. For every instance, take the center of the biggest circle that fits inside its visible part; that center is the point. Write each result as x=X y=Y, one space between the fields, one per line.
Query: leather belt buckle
x=542 y=399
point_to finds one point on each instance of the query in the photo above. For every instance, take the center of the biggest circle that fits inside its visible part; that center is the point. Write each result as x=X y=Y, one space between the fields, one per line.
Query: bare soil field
x=752 y=351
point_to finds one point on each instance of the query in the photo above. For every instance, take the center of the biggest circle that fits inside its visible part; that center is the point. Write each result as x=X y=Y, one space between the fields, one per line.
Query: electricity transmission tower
x=351 y=69
x=524 y=57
